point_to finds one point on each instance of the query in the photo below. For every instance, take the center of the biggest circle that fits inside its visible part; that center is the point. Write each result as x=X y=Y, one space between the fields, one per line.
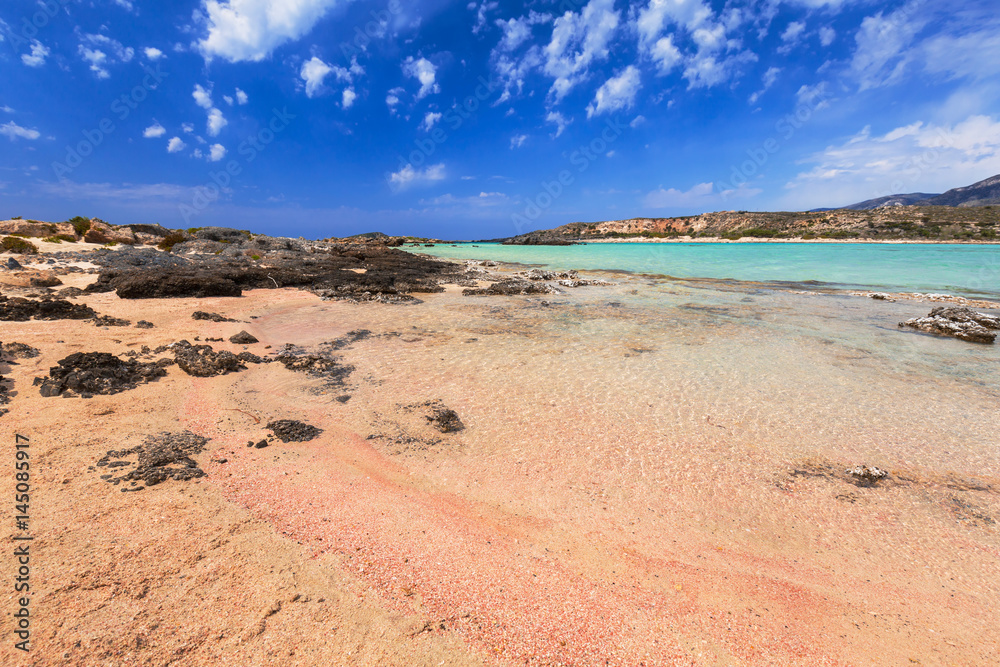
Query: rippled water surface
x=956 y=268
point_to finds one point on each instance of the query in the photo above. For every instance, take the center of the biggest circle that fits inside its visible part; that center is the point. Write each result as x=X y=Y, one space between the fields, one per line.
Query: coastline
x=647 y=471
x=716 y=239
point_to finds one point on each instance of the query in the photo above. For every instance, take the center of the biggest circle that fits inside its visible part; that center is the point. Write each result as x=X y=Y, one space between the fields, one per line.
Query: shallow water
x=956 y=268
x=664 y=461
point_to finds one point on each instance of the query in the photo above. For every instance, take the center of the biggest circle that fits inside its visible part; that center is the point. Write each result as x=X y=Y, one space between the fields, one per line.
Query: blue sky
x=485 y=119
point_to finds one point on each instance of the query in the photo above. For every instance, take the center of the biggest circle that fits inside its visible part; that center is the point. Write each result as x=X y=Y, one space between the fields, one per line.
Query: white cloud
x=768 y=80
x=101 y=51
x=66 y=189
x=559 y=120
x=227 y=99
x=578 y=40
x=313 y=72
x=176 y=145
x=517 y=31
x=96 y=58
x=484 y=8
x=14 y=131
x=665 y=198
x=216 y=121
x=793 y=32
x=240 y=30
x=216 y=152
x=202 y=97
x=6 y=109
x=124 y=4
x=37 y=56
x=883 y=42
x=423 y=71
x=348 y=97
x=188 y=128
x=637 y=121
x=408 y=176
x=241 y=97
x=827 y=35
x=430 y=119
x=154 y=131
x=392 y=98
x=153 y=53
x=665 y=54
x=480 y=201
x=919 y=157
x=518 y=140
x=814 y=97
x=716 y=58
x=617 y=92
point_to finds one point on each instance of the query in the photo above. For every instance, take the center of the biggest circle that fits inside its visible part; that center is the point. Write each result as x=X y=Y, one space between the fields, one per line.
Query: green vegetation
x=59 y=238
x=254 y=257
x=17 y=217
x=170 y=240
x=81 y=225
x=18 y=245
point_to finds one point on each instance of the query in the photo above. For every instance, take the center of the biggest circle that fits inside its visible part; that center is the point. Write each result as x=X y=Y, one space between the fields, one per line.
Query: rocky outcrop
x=18 y=309
x=203 y=361
x=962 y=323
x=9 y=351
x=166 y=284
x=161 y=457
x=212 y=317
x=243 y=338
x=37 y=229
x=510 y=287
x=102 y=232
x=88 y=373
x=290 y=430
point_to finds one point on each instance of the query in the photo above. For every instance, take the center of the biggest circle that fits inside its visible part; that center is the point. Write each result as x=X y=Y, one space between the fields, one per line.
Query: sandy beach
x=629 y=485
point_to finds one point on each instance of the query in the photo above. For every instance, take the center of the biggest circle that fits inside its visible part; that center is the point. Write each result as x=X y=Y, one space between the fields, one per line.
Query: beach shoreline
x=621 y=489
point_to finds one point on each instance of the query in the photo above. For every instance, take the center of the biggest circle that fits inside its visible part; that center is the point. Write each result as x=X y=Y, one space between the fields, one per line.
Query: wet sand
x=650 y=473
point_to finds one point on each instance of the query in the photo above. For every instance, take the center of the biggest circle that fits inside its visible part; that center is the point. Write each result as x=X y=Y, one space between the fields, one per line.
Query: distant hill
x=910 y=199
x=983 y=193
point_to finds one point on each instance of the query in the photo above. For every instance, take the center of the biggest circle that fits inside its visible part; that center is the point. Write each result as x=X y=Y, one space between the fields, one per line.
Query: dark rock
x=250 y=358
x=221 y=234
x=243 y=338
x=17 y=309
x=143 y=324
x=213 y=317
x=168 y=283
x=44 y=281
x=328 y=368
x=154 y=230
x=18 y=351
x=13 y=264
x=262 y=444
x=289 y=430
x=962 y=323
x=203 y=361
x=108 y=321
x=70 y=292
x=445 y=420
x=97 y=373
x=510 y=287
x=161 y=457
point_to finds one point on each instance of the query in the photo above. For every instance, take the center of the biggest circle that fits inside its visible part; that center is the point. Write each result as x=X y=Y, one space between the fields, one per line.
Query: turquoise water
x=970 y=270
